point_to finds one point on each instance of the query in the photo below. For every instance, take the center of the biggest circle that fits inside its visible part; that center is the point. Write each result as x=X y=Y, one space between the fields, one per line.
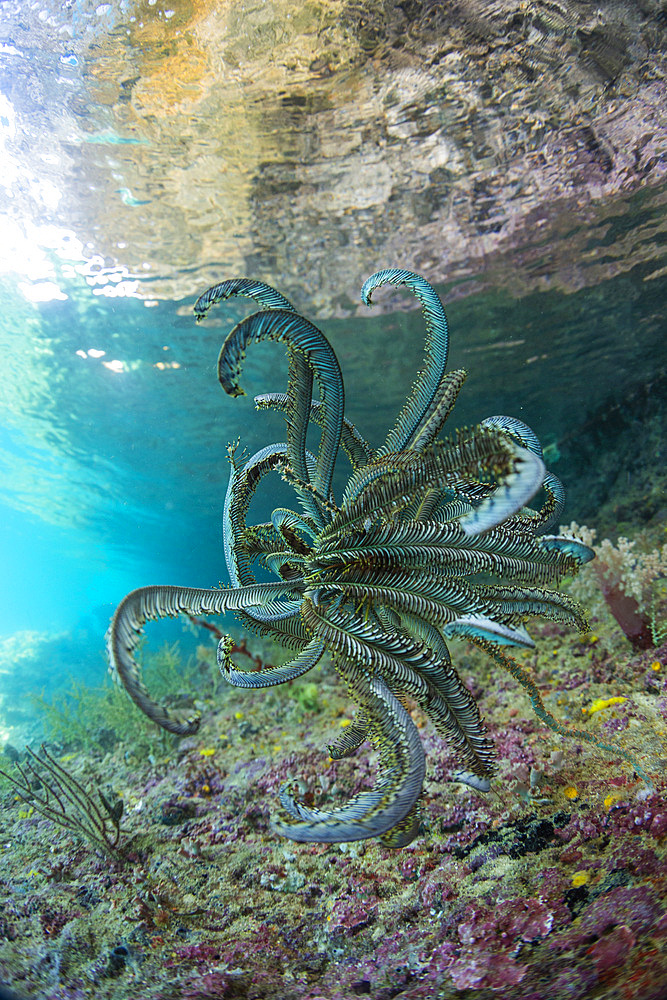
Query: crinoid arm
x=243 y=482
x=301 y=664
x=432 y=538
x=302 y=337
x=357 y=449
x=518 y=672
x=418 y=406
x=249 y=288
x=151 y=603
x=401 y=770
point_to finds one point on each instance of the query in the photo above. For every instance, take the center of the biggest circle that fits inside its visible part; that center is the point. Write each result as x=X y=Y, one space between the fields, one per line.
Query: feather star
x=431 y=540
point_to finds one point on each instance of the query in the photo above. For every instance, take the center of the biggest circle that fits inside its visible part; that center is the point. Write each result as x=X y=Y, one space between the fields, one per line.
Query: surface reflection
x=187 y=141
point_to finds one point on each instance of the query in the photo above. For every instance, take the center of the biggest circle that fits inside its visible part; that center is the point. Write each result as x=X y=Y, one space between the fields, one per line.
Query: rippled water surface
x=512 y=153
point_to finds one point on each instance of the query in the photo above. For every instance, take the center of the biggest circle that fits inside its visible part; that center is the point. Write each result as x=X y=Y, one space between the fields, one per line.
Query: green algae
x=94 y=717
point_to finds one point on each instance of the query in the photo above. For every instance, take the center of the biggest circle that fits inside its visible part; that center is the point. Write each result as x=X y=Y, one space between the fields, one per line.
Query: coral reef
x=552 y=886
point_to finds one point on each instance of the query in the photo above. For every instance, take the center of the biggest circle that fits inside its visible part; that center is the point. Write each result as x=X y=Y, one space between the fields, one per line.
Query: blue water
x=113 y=480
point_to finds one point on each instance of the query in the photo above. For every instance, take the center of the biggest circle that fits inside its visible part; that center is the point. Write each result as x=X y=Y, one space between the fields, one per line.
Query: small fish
x=128 y=198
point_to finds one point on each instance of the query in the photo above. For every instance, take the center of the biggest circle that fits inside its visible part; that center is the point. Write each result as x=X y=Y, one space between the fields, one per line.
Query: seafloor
x=552 y=885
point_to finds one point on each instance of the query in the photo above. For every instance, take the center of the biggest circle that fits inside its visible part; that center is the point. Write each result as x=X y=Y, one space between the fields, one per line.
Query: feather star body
x=431 y=540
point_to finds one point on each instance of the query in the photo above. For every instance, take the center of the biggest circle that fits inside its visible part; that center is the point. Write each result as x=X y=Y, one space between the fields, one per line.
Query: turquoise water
x=115 y=479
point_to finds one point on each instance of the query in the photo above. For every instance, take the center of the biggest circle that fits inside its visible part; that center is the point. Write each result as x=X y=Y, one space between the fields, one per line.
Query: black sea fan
x=431 y=539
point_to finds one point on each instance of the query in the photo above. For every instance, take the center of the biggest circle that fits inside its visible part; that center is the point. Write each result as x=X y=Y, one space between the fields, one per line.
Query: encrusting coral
x=431 y=540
